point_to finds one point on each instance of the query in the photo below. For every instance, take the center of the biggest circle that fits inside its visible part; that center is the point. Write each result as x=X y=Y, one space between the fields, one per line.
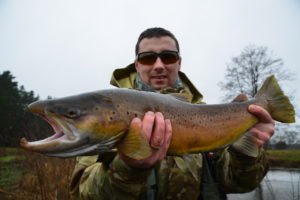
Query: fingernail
x=252 y=107
x=150 y=113
x=136 y=120
x=159 y=113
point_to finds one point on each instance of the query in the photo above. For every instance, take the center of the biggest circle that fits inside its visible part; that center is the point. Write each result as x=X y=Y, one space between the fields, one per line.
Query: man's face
x=158 y=75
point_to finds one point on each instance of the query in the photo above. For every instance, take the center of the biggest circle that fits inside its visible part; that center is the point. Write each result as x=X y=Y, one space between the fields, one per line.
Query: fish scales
x=198 y=125
x=97 y=122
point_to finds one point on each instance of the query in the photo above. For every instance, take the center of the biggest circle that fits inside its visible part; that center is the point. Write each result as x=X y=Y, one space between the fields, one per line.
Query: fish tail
x=278 y=105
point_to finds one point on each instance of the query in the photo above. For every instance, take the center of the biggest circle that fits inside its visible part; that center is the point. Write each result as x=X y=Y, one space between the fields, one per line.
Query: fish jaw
x=65 y=137
x=67 y=141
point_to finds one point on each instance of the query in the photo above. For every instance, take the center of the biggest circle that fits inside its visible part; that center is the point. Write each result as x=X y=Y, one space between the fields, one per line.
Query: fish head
x=86 y=124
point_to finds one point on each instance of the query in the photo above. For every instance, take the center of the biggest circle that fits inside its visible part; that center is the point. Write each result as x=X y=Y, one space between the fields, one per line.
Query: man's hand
x=158 y=131
x=265 y=127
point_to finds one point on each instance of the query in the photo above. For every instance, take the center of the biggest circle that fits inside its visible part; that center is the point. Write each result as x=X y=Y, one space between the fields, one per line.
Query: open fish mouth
x=67 y=141
x=65 y=137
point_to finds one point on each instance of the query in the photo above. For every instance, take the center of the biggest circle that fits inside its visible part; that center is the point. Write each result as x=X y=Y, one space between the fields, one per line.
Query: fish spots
x=113 y=114
x=131 y=114
x=168 y=110
x=185 y=118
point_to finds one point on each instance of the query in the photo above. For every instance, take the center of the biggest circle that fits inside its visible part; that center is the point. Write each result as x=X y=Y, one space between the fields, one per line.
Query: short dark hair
x=155 y=32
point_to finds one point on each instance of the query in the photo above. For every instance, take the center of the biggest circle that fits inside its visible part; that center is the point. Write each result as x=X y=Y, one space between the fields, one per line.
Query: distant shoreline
x=284 y=159
x=283 y=169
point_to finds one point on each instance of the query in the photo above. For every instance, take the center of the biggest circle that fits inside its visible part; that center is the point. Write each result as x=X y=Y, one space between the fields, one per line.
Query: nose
x=158 y=65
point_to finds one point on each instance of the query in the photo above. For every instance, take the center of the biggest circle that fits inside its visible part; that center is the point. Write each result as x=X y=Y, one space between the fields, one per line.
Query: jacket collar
x=126 y=78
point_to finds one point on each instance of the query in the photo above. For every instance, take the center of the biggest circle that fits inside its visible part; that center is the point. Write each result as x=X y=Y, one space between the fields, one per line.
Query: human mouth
x=159 y=78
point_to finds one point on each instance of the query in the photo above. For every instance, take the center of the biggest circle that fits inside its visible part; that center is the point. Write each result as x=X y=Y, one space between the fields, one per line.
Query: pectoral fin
x=134 y=145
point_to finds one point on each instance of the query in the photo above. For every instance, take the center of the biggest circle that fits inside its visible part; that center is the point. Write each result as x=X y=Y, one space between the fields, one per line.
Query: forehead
x=157 y=44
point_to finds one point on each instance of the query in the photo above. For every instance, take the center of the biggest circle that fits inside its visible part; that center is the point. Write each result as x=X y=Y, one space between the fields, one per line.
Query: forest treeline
x=15 y=121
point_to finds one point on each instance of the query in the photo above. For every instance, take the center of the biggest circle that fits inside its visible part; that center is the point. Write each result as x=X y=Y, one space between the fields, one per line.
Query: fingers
x=168 y=133
x=158 y=132
x=167 y=139
x=261 y=114
x=265 y=127
x=260 y=137
x=158 y=135
x=148 y=124
x=153 y=128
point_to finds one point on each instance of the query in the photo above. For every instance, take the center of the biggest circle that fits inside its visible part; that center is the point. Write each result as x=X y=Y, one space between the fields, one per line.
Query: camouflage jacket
x=193 y=176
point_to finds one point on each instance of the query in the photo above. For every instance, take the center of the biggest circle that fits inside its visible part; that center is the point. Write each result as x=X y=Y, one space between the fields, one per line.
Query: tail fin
x=279 y=105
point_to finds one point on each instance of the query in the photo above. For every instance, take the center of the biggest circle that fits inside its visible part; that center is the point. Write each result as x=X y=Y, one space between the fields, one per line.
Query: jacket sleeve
x=237 y=172
x=101 y=180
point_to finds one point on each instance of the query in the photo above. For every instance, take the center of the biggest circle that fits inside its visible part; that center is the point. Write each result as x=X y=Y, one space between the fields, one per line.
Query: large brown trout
x=98 y=122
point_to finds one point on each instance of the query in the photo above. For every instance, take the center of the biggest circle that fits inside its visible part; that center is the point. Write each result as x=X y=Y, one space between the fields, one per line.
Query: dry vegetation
x=32 y=176
x=43 y=178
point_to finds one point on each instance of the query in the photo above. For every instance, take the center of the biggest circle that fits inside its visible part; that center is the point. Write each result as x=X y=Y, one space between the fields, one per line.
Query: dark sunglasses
x=149 y=58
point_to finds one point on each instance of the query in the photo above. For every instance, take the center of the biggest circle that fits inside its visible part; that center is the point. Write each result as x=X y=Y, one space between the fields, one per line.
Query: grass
x=10 y=174
x=11 y=158
x=10 y=167
x=26 y=175
x=284 y=158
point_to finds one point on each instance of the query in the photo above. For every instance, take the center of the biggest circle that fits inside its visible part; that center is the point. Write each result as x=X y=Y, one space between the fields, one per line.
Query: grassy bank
x=33 y=176
x=284 y=158
x=11 y=167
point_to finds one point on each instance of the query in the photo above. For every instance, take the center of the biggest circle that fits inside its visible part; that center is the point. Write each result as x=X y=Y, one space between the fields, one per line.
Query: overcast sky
x=64 y=47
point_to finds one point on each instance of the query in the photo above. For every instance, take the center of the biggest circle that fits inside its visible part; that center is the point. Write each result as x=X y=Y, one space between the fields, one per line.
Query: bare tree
x=246 y=72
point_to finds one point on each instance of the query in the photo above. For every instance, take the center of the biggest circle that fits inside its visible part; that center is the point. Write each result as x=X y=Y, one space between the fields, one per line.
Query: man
x=194 y=176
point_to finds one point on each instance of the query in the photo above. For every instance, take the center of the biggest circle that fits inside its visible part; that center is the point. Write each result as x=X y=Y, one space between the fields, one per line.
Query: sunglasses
x=149 y=58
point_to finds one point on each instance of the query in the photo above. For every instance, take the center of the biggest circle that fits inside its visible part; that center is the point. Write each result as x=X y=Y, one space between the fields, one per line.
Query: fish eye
x=73 y=113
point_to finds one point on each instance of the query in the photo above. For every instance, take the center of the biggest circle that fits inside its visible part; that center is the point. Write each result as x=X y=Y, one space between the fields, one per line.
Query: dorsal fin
x=240 y=98
x=180 y=97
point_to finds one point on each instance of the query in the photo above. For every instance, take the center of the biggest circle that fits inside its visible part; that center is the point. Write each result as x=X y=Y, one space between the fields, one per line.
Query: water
x=277 y=185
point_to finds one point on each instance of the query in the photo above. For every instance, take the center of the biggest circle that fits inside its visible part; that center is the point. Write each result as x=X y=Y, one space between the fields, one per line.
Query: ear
x=179 y=63
x=136 y=64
